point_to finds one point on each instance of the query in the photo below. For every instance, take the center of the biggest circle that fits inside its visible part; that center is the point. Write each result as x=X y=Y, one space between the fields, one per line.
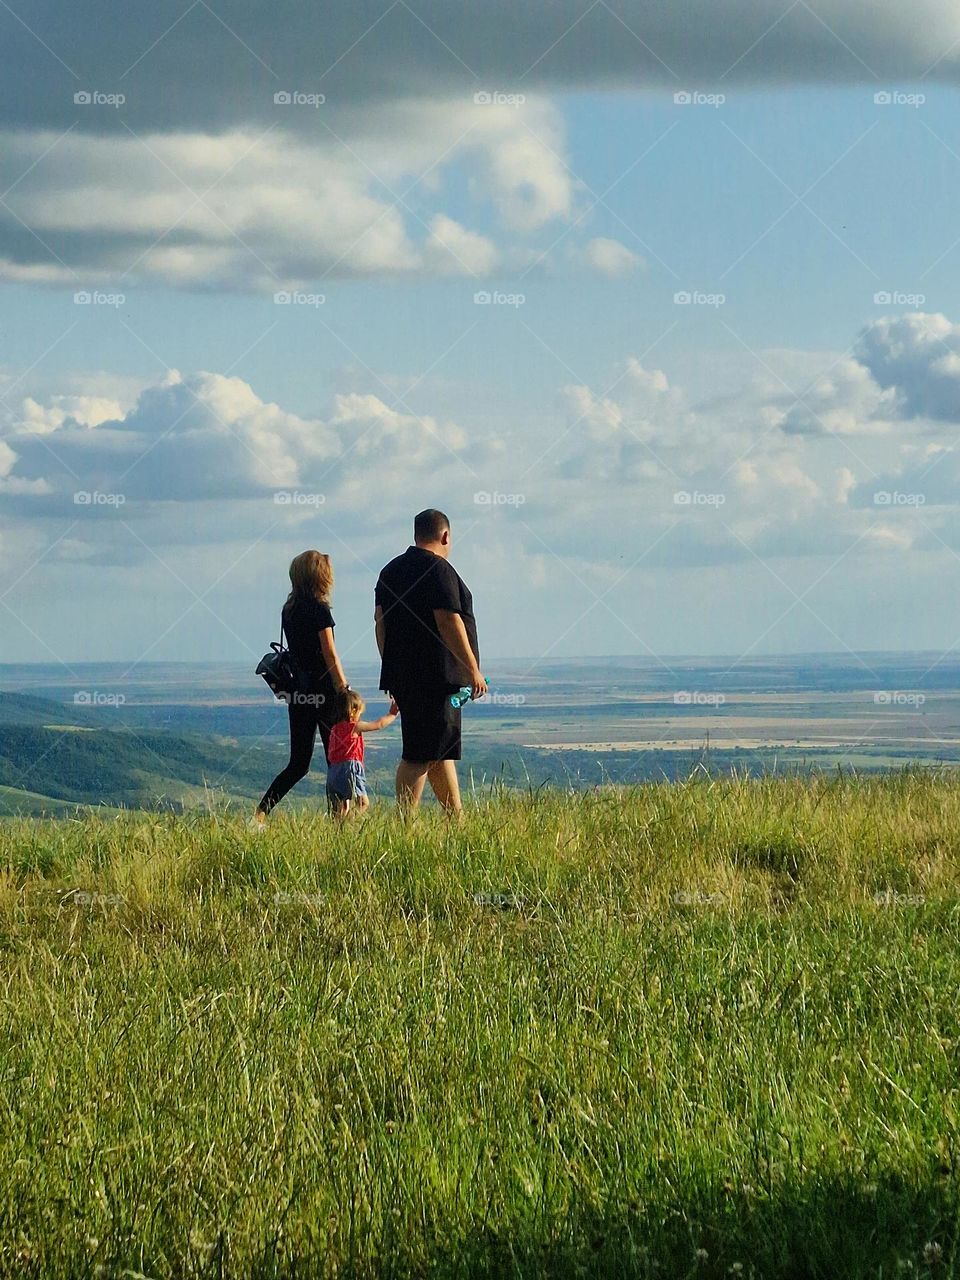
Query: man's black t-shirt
x=409 y=589
x=303 y=620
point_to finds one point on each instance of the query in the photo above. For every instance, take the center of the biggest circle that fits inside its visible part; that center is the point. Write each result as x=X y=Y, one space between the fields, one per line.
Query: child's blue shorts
x=346 y=781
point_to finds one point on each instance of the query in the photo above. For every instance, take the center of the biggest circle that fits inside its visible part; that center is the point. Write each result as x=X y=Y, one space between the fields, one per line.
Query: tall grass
x=684 y=1030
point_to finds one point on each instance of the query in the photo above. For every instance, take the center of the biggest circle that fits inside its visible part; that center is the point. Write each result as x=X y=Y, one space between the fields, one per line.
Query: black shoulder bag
x=279 y=670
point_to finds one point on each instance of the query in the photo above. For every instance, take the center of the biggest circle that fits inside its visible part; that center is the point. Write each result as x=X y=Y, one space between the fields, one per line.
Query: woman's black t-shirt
x=303 y=620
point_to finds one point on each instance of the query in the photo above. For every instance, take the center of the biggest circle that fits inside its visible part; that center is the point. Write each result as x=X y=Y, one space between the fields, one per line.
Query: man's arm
x=381 y=627
x=454 y=636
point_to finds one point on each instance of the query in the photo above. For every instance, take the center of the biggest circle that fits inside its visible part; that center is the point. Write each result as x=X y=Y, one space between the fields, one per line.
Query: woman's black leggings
x=305 y=720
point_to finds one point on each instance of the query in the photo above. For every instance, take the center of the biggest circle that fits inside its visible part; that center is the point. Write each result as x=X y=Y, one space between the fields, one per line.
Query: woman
x=308 y=626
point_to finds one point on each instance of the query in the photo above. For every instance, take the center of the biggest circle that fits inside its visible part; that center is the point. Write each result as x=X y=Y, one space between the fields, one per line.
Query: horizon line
x=653 y=659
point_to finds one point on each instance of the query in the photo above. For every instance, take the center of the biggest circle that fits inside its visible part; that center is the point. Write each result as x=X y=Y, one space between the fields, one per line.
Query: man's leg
x=445 y=784
x=411 y=775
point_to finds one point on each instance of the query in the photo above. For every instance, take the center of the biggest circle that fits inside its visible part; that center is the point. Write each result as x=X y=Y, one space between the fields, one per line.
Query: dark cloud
x=212 y=66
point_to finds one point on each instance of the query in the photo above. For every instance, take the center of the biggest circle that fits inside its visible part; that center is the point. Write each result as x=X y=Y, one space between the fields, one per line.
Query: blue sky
x=769 y=467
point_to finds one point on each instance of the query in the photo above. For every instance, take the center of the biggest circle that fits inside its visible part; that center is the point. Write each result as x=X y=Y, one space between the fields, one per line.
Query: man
x=427 y=637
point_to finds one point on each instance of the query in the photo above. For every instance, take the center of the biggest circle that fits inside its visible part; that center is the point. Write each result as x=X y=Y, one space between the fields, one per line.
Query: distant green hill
x=15 y=802
x=26 y=708
x=56 y=755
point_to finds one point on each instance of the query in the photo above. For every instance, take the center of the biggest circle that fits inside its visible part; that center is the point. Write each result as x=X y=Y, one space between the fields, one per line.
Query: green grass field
x=695 y=1030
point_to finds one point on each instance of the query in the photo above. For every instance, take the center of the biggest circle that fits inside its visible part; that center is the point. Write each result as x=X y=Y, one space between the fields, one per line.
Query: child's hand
x=394 y=709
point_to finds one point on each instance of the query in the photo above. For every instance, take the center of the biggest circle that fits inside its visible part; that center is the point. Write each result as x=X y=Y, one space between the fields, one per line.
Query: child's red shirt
x=345 y=743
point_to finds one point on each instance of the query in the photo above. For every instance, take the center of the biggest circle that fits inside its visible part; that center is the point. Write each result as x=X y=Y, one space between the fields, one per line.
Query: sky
x=661 y=304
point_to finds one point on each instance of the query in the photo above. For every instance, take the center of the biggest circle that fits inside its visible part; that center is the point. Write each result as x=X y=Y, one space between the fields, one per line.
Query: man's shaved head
x=430 y=526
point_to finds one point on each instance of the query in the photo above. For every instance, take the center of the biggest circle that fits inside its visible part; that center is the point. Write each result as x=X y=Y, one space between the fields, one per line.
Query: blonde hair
x=311 y=574
x=350 y=702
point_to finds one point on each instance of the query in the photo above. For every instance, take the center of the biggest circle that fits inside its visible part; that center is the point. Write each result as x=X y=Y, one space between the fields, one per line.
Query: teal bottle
x=462 y=696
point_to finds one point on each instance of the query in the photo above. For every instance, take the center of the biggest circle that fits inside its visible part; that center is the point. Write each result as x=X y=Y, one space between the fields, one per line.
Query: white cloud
x=451 y=248
x=749 y=474
x=597 y=417
x=903 y=370
x=614 y=462
x=845 y=483
x=88 y=411
x=7 y=459
x=211 y=440
x=269 y=210
x=643 y=379
x=846 y=400
x=916 y=358
x=610 y=257
x=524 y=170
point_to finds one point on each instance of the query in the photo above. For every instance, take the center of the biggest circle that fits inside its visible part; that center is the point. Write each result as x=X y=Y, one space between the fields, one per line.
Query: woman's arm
x=331 y=658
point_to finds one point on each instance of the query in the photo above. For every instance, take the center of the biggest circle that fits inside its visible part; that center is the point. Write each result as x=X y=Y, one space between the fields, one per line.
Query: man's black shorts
x=429 y=724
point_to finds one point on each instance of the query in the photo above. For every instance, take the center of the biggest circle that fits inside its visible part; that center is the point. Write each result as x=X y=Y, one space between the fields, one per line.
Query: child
x=346 y=780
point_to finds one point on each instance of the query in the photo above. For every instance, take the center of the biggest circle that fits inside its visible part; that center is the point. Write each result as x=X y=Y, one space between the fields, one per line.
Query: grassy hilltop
x=702 y=1030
